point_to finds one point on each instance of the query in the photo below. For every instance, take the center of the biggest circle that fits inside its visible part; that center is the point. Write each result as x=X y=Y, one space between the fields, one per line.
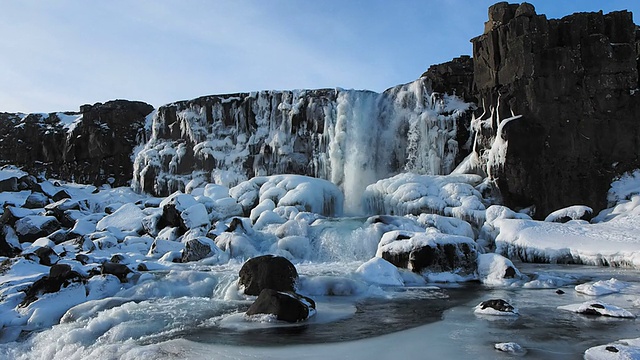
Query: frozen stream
x=430 y=321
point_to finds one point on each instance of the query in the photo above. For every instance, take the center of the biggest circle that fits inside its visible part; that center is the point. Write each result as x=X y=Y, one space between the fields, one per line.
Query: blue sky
x=57 y=55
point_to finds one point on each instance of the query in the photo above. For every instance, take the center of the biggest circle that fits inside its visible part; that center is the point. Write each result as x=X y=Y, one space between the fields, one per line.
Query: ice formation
x=349 y=137
x=409 y=193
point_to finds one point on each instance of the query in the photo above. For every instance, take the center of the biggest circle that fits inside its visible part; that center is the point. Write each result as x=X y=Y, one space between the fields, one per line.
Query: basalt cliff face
x=574 y=81
x=93 y=146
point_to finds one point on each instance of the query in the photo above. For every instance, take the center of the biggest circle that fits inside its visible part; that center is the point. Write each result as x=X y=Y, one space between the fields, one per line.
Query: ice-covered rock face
x=349 y=137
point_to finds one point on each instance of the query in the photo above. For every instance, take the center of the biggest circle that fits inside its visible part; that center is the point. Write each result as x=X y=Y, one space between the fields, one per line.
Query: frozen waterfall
x=350 y=137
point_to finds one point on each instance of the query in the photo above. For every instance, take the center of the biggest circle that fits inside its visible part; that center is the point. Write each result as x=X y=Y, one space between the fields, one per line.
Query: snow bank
x=612 y=243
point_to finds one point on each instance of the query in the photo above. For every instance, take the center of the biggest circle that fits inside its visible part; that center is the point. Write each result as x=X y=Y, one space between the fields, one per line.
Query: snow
x=602 y=287
x=575 y=212
x=14 y=198
x=613 y=243
x=128 y=218
x=624 y=187
x=338 y=259
x=380 y=271
x=195 y=216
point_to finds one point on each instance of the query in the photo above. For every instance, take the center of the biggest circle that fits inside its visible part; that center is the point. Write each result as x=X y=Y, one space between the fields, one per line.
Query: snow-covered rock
x=431 y=252
x=510 y=348
x=195 y=216
x=598 y=308
x=612 y=243
x=602 y=287
x=32 y=227
x=494 y=269
x=497 y=307
x=619 y=350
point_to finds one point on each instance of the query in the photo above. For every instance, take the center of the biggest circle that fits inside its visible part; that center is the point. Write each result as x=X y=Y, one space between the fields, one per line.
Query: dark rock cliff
x=575 y=83
x=93 y=146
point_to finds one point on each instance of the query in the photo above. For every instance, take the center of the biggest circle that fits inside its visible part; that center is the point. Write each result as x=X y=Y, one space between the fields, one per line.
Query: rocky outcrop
x=454 y=77
x=574 y=82
x=93 y=146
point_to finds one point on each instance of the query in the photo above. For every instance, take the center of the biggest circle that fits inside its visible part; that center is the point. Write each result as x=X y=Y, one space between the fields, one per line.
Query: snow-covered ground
x=173 y=302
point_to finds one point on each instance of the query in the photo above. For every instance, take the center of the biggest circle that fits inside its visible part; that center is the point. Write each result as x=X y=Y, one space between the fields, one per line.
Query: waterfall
x=350 y=137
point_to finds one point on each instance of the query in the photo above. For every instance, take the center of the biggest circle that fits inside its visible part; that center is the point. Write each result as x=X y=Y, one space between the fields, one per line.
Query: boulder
x=46 y=255
x=9 y=184
x=60 y=275
x=267 y=272
x=198 y=249
x=33 y=227
x=286 y=306
x=119 y=270
x=495 y=307
x=36 y=200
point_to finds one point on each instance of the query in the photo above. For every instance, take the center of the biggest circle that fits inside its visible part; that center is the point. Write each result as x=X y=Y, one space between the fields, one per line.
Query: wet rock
x=286 y=306
x=267 y=272
x=83 y=259
x=61 y=195
x=12 y=214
